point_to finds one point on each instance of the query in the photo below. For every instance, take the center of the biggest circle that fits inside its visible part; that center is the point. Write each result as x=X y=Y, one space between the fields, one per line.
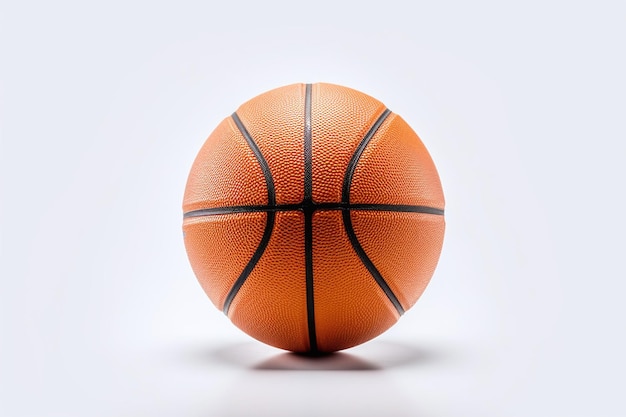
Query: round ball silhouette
x=313 y=217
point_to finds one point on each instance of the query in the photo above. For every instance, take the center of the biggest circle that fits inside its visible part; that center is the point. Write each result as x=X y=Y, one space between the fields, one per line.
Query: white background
x=104 y=106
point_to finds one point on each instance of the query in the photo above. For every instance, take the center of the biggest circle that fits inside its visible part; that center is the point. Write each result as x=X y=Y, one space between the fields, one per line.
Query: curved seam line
x=347 y=221
x=271 y=215
x=347 y=181
x=269 y=181
x=252 y=263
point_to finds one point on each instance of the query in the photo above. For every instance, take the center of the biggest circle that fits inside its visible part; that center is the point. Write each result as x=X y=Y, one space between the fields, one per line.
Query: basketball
x=313 y=217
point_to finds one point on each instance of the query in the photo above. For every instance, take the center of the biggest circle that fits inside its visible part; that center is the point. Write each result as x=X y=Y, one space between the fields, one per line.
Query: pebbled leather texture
x=275 y=121
x=219 y=247
x=397 y=222
x=350 y=308
x=225 y=173
x=271 y=305
x=395 y=168
x=340 y=118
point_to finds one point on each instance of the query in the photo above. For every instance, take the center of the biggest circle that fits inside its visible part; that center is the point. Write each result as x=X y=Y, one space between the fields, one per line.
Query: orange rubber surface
x=299 y=275
x=350 y=308
x=219 y=248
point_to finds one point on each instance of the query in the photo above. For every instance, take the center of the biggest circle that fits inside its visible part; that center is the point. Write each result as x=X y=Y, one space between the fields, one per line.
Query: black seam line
x=308 y=147
x=252 y=263
x=271 y=191
x=241 y=209
x=347 y=181
x=271 y=215
x=308 y=208
x=310 y=302
x=396 y=208
x=316 y=206
x=347 y=221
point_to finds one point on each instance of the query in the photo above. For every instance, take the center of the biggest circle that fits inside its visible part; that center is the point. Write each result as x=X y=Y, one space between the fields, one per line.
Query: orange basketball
x=313 y=217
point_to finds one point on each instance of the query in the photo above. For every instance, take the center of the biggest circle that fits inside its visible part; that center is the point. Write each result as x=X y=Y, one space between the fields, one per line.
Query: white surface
x=103 y=108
